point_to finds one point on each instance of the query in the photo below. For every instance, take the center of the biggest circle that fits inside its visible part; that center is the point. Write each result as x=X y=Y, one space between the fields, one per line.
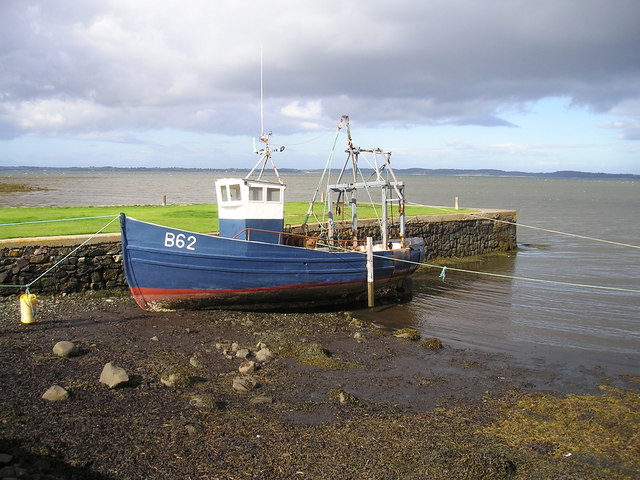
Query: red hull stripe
x=159 y=292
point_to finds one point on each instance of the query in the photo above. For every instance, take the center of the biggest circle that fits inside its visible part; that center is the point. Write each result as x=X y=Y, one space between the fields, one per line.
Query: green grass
x=196 y=218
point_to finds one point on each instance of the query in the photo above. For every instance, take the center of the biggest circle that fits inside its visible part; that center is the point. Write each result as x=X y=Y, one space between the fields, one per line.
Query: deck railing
x=308 y=241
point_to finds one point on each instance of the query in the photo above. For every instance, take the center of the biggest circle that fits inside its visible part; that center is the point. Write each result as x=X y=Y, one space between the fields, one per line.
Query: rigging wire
x=368 y=190
x=327 y=167
x=308 y=141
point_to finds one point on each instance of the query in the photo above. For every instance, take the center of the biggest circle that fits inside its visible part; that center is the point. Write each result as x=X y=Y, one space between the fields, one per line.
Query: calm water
x=565 y=324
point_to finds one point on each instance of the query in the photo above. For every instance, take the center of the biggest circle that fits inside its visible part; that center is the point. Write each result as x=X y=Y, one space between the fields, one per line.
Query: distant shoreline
x=448 y=172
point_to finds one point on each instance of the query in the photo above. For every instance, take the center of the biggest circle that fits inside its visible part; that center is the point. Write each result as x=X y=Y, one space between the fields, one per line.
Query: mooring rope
x=56 y=220
x=516 y=277
x=517 y=224
x=584 y=237
x=30 y=284
x=444 y=269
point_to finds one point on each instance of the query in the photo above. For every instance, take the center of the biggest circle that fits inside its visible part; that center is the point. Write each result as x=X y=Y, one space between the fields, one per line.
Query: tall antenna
x=261 y=98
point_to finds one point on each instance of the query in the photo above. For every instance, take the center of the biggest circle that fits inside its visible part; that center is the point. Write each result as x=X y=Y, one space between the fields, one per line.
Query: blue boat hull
x=167 y=268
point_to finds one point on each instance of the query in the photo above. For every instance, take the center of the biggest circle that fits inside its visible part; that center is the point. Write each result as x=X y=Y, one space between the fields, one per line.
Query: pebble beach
x=275 y=395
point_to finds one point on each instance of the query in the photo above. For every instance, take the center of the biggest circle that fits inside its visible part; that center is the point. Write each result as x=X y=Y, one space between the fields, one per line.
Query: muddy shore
x=341 y=399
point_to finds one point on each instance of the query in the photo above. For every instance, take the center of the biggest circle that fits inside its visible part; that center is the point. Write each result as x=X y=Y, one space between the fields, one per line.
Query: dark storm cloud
x=84 y=66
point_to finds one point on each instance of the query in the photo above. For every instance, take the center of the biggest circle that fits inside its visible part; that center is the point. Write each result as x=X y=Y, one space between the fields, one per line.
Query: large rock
x=243 y=353
x=56 y=394
x=247 y=367
x=113 y=376
x=65 y=349
x=244 y=384
x=264 y=355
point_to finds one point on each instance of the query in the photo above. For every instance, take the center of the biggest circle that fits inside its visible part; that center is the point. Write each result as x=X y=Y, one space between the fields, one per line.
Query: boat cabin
x=250 y=204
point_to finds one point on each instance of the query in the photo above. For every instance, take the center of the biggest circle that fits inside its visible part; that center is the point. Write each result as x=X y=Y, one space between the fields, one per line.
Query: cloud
x=75 y=66
x=630 y=127
x=629 y=130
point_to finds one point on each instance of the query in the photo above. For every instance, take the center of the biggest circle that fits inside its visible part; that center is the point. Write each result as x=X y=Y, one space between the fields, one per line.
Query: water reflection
x=458 y=308
x=523 y=319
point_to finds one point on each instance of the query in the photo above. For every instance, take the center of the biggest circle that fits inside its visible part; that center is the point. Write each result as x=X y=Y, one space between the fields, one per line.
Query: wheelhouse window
x=223 y=193
x=256 y=194
x=273 y=194
x=234 y=193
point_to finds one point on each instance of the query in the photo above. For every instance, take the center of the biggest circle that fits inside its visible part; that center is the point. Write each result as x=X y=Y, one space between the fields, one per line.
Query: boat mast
x=261 y=98
x=265 y=153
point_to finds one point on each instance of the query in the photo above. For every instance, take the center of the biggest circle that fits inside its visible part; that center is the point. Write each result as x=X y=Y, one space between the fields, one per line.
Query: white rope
x=534 y=227
x=498 y=275
x=529 y=279
x=56 y=220
x=28 y=285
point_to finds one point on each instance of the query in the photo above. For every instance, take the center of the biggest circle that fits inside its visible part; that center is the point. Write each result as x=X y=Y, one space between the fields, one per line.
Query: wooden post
x=330 y=223
x=455 y=204
x=164 y=200
x=384 y=228
x=370 y=285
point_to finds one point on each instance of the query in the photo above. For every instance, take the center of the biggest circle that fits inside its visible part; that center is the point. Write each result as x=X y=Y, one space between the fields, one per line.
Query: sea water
x=564 y=322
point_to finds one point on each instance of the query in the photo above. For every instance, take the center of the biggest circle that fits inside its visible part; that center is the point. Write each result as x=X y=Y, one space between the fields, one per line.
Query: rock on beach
x=244 y=383
x=65 y=349
x=264 y=355
x=55 y=394
x=113 y=376
x=243 y=353
x=247 y=367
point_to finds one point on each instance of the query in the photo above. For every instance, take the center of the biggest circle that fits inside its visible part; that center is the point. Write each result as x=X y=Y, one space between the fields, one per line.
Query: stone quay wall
x=97 y=265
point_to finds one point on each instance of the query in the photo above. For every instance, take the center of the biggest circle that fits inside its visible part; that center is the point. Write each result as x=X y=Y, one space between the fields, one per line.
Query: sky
x=534 y=86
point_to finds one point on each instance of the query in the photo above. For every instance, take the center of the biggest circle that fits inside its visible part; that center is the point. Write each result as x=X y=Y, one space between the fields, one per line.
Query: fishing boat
x=253 y=262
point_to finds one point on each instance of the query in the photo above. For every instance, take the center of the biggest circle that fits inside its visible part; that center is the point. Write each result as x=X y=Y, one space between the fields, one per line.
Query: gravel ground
x=342 y=399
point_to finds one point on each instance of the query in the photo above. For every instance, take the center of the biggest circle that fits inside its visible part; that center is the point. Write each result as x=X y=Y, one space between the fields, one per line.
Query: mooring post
x=370 y=289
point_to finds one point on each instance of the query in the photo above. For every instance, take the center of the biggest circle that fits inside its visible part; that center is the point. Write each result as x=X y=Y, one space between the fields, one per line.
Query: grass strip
x=196 y=217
